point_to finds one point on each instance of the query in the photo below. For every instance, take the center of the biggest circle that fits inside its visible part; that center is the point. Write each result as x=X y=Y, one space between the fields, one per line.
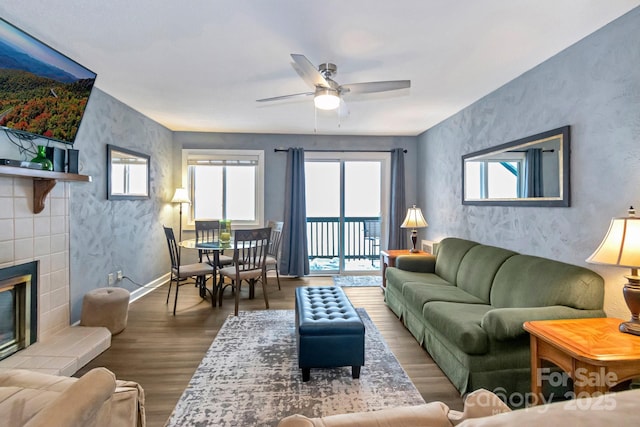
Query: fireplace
x=18 y=307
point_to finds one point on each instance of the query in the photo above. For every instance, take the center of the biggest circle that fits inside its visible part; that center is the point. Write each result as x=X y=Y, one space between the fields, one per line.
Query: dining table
x=215 y=247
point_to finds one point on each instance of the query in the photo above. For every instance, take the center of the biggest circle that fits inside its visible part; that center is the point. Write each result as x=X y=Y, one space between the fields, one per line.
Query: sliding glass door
x=346 y=199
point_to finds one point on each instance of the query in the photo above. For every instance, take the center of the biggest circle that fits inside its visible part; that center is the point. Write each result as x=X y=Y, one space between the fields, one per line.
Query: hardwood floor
x=161 y=351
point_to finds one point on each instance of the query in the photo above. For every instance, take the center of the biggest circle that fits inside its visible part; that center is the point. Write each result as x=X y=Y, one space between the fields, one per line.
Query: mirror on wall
x=533 y=171
x=127 y=174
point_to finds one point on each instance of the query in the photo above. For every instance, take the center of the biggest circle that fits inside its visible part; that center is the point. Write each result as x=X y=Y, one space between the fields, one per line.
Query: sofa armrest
x=78 y=405
x=417 y=263
x=127 y=405
x=506 y=323
x=477 y=404
x=432 y=414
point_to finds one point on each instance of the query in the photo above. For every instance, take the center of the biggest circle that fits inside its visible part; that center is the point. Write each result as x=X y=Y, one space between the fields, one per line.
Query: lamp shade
x=181 y=196
x=414 y=218
x=621 y=245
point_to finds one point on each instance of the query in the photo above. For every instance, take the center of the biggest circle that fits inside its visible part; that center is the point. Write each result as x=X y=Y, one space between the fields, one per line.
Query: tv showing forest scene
x=42 y=92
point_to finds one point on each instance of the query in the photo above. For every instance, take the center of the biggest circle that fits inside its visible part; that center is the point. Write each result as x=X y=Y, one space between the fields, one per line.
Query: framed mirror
x=127 y=174
x=533 y=171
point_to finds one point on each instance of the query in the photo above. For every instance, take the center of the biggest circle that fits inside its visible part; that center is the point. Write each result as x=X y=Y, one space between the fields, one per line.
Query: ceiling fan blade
x=308 y=71
x=278 y=98
x=372 y=87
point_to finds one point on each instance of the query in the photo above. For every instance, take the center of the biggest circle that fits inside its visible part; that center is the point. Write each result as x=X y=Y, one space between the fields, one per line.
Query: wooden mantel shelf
x=43 y=181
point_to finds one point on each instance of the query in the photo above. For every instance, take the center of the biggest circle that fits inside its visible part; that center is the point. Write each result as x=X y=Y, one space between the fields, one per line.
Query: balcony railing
x=361 y=238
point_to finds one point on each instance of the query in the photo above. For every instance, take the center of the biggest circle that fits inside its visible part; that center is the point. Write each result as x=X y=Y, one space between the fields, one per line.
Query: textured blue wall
x=594 y=86
x=108 y=235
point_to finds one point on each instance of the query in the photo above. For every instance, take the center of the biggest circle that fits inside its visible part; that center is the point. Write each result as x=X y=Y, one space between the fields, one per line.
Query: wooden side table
x=593 y=352
x=388 y=259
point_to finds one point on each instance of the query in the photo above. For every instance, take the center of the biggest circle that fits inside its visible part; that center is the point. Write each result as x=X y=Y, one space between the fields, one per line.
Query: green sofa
x=466 y=306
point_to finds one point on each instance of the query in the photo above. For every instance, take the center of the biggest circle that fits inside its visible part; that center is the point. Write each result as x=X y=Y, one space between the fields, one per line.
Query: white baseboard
x=140 y=292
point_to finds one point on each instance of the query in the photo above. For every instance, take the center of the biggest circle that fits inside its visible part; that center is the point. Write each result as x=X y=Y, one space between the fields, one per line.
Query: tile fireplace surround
x=26 y=237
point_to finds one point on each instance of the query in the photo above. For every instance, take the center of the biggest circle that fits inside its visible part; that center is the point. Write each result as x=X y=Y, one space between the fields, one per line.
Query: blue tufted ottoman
x=329 y=331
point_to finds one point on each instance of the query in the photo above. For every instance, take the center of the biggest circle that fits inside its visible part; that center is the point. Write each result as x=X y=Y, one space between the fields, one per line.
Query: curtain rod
x=284 y=150
x=524 y=151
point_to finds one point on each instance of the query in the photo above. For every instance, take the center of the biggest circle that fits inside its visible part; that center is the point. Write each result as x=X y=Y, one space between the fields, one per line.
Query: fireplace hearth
x=18 y=307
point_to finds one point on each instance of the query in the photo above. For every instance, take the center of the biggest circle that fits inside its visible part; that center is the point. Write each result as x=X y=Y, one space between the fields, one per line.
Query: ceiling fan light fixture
x=326 y=99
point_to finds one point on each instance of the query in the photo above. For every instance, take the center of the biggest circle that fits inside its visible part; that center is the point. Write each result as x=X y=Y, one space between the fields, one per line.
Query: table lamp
x=414 y=220
x=181 y=196
x=621 y=247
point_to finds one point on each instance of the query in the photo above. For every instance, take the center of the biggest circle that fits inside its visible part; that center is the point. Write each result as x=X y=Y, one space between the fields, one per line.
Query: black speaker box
x=72 y=160
x=56 y=155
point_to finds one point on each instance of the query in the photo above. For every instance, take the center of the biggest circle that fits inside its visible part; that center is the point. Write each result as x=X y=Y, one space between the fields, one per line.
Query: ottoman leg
x=355 y=372
x=306 y=374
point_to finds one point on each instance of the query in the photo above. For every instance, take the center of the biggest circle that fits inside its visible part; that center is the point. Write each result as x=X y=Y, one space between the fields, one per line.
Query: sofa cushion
x=478 y=268
x=459 y=322
x=417 y=294
x=449 y=255
x=528 y=281
x=396 y=278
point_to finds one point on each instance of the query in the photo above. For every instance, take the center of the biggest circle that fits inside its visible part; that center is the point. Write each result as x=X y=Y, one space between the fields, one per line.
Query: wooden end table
x=388 y=259
x=593 y=352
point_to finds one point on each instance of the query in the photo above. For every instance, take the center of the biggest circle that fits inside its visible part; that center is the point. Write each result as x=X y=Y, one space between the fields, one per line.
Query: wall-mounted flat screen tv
x=42 y=92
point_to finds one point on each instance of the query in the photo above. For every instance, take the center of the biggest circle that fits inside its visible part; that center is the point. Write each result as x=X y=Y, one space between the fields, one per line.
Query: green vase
x=42 y=159
x=225 y=231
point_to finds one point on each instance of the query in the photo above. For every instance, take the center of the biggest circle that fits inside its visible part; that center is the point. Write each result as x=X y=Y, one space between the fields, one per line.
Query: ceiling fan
x=328 y=93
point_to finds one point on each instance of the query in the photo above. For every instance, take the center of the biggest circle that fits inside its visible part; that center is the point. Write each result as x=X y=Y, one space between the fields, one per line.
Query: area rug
x=346 y=281
x=250 y=377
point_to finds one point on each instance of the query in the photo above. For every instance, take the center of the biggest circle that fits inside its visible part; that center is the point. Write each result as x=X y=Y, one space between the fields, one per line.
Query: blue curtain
x=533 y=173
x=294 y=259
x=398 y=206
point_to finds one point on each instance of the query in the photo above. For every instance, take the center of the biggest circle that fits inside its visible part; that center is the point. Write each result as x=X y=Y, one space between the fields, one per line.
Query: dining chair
x=182 y=272
x=273 y=253
x=209 y=231
x=250 y=249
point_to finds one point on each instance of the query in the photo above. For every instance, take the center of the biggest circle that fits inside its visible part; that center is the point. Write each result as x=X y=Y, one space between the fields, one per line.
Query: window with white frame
x=225 y=184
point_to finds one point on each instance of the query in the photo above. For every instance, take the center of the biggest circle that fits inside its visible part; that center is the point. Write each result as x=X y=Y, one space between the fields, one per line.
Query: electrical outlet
x=111 y=279
x=119 y=275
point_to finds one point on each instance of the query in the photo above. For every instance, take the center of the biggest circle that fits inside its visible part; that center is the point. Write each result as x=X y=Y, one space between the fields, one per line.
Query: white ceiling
x=201 y=64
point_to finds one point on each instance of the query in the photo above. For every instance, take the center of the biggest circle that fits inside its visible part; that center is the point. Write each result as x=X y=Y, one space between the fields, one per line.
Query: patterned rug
x=347 y=281
x=250 y=377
